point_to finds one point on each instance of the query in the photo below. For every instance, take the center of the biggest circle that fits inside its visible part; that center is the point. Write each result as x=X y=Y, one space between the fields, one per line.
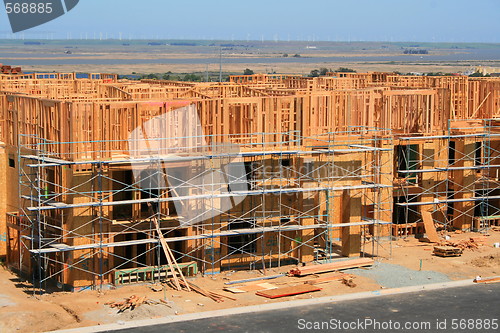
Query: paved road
x=423 y=309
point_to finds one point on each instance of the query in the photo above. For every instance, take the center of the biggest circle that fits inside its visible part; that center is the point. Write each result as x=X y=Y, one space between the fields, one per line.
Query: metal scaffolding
x=454 y=176
x=81 y=221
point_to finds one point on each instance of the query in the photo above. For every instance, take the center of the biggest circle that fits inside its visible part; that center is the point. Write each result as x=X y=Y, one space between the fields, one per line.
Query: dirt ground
x=484 y=261
x=289 y=68
x=21 y=312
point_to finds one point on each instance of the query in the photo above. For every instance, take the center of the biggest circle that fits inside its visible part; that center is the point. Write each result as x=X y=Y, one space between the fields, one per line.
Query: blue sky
x=330 y=20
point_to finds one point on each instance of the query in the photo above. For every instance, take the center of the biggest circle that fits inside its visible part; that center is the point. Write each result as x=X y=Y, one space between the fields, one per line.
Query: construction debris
x=262 y=286
x=156 y=289
x=335 y=266
x=131 y=303
x=207 y=293
x=329 y=278
x=288 y=291
x=486 y=281
x=167 y=303
x=472 y=243
x=348 y=281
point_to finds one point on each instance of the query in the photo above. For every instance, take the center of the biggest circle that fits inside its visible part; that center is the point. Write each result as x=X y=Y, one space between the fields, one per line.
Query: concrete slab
x=396 y=276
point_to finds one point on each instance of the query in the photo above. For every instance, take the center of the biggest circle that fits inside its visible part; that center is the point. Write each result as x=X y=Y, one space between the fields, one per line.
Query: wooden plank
x=338 y=265
x=251 y=287
x=346 y=218
x=329 y=278
x=170 y=258
x=256 y=279
x=288 y=291
x=430 y=229
x=487 y=281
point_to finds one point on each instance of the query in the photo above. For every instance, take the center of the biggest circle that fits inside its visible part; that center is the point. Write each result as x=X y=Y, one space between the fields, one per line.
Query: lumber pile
x=472 y=243
x=447 y=251
x=288 y=291
x=263 y=287
x=330 y=267
x=207 y=293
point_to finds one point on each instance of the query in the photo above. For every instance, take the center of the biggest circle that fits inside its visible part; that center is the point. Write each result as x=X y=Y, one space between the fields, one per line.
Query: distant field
x=142 y=56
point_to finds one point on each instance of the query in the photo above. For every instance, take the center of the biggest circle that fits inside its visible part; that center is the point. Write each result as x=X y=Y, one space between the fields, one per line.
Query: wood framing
x=329 y=161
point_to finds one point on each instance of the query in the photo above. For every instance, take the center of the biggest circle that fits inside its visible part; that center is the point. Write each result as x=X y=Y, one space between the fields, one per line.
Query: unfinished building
x=328 y=167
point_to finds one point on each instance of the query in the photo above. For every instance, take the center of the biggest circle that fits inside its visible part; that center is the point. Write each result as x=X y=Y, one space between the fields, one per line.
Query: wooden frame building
x=328 y=161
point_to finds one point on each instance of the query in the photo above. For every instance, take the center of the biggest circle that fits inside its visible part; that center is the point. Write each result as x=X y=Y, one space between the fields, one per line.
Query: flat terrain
x=405 y=262
x=142 y=56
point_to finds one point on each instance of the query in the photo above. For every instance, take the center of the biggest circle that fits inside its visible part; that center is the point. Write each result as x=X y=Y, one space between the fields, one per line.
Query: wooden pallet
x=447 y=251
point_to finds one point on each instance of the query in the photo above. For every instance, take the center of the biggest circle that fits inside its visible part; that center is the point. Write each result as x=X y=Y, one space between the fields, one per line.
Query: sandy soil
x=68 y=310
x=484 y=261
x=21 y=312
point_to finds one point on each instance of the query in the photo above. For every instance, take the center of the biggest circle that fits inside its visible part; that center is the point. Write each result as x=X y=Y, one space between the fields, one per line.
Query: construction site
x=259 y=172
